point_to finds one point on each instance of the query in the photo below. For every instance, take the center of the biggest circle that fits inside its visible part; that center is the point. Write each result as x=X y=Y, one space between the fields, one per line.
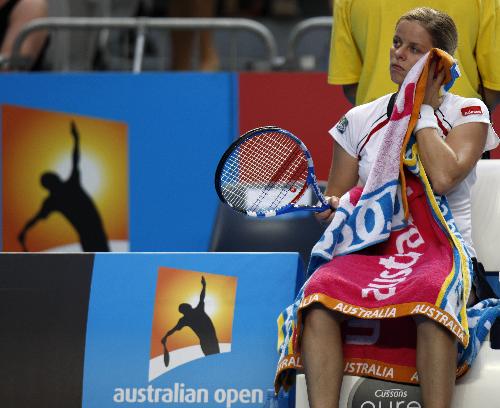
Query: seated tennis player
x=391 y=278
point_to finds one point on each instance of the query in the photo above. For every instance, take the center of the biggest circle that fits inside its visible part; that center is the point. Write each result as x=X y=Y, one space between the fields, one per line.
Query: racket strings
x=262 y=158
x=234 y=192
x=284 y=180
x=279 y=200
x=279 y=157
x=264 y=172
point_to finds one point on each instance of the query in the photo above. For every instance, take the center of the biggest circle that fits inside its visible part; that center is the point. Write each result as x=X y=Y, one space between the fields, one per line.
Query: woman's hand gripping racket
x=266 y=172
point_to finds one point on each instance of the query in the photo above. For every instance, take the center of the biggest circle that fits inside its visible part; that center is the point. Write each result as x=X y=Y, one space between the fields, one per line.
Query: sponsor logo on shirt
x=342 y=124
x=471 y=110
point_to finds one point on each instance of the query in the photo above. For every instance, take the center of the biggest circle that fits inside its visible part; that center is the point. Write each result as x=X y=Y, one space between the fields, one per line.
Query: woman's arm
x=343 y=173
x=447 y=162
x=342 y=177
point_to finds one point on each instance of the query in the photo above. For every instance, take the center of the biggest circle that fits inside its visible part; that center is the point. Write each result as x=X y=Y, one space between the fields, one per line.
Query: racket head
x=265 y=172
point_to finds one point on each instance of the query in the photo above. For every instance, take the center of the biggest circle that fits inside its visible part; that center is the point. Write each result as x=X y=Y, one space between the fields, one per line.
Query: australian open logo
x=72 y=171
x=370 y=393
x=193 y=318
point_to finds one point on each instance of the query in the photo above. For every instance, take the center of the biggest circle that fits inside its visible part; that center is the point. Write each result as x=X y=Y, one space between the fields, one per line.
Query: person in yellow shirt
x=363 y=30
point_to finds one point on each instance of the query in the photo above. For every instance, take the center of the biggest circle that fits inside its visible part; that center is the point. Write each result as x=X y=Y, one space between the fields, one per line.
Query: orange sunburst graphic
x=193 y=315
x=35 y=143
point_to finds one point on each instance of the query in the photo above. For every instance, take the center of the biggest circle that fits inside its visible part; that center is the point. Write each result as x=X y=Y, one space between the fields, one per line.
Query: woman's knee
x=429 y=328
x=318 y=316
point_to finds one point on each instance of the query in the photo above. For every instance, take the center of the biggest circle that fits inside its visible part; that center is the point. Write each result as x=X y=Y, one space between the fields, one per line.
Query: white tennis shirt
x=360 y=131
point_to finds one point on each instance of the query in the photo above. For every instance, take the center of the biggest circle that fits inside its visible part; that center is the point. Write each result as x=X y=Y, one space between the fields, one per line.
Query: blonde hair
x=438 y=24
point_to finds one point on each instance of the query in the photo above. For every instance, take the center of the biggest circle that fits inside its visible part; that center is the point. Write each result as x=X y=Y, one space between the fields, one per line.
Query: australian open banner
x=141 y=329
x=184 y=329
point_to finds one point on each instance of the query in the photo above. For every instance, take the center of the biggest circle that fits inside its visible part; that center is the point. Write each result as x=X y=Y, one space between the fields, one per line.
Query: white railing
x=141 y=25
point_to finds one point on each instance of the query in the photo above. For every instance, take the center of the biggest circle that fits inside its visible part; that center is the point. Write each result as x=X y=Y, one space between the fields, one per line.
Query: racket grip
x=324 y=204
x=321 y=206
x=323 y=201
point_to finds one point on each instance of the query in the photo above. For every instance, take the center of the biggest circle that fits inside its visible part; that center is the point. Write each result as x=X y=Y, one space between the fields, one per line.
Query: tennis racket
x=265 y=172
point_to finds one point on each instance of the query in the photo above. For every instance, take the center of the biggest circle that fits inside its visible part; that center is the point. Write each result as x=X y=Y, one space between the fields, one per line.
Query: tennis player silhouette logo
x=73 y=202
x=199 y=322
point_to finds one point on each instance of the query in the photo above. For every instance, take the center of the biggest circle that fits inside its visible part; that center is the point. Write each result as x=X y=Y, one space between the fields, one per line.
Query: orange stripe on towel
x=390 y=312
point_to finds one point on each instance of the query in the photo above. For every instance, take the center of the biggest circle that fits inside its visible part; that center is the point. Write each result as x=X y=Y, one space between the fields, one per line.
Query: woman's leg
x=436 y=363
x=321 y=350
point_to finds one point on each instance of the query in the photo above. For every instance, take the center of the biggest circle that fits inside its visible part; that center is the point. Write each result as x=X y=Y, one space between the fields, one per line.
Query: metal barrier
x=299 y=31
x=141 y=25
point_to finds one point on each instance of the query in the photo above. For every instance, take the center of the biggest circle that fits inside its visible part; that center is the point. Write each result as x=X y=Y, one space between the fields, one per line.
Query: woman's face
x=411 y=41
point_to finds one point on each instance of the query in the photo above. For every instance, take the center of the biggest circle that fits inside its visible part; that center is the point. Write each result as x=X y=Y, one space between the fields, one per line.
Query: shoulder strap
x=390 y=105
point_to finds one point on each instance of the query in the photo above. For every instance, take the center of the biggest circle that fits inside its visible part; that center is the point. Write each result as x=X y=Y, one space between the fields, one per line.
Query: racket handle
x=320 y=207
x=325 y=207
x=323 y=203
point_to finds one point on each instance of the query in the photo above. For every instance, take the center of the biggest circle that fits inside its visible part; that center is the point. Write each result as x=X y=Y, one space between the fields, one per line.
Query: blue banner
x=185 y=329
x=177 y=126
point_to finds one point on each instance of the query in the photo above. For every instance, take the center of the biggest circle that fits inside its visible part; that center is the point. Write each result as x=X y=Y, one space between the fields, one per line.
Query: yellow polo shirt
x=362 y=36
